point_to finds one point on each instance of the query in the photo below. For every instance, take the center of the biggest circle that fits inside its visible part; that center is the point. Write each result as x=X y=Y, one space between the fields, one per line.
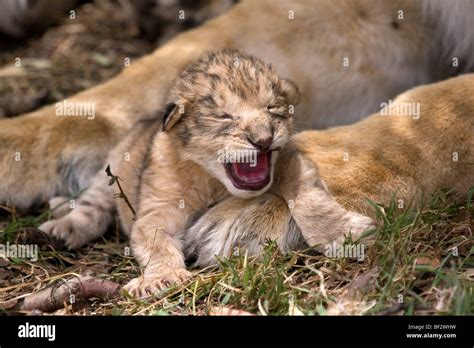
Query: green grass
x=420 y=260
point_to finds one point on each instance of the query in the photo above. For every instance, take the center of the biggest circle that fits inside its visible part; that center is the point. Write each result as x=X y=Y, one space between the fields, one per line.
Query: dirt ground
x=72 y=56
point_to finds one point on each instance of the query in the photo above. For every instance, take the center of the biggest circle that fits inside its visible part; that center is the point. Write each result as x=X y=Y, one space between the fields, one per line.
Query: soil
x=79 y=52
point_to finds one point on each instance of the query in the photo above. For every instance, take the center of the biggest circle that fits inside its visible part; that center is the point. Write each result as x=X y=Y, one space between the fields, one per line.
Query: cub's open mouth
x=251 y=176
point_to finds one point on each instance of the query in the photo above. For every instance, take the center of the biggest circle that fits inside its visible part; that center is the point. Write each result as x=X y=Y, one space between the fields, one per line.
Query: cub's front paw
x=72 y=232
x=146 y=286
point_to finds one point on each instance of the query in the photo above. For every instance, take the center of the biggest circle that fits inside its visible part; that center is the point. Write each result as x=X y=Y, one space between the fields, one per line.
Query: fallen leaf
x=361 y=283
x=293 y=310
x=219 y=311
x=427 y=261
x=351 y=301
x=8 y=304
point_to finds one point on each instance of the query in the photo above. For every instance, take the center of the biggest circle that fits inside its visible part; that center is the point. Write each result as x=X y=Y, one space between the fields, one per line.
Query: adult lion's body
x=400 y=154
x=346 y=56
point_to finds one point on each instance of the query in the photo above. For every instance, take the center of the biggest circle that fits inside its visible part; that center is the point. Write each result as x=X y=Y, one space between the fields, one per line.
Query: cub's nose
x=262 y=144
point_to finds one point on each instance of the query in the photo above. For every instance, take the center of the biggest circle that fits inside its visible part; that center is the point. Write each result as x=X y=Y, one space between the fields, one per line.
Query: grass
x=420 y=262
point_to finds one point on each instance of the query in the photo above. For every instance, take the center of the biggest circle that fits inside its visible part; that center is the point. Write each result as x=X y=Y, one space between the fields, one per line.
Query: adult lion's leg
x=46 y=154
x=43 y=155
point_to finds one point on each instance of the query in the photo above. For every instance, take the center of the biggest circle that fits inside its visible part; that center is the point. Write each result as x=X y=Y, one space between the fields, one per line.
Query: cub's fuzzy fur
x=225 y=101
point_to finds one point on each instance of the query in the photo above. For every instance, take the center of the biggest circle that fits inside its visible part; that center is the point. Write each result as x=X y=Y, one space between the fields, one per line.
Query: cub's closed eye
x=226 y=116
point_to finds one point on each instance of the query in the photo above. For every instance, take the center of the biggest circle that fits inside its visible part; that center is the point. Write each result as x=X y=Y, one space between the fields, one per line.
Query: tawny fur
x=172 y=177
x=386 y=55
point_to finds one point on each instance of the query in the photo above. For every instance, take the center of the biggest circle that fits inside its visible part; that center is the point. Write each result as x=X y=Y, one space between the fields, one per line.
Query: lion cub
x=226 y=132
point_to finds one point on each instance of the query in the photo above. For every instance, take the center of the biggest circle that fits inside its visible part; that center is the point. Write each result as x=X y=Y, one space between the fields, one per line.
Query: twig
x=115 y=179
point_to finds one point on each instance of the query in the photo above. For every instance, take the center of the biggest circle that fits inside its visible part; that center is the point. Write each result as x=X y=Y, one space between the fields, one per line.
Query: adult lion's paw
x=146 y=286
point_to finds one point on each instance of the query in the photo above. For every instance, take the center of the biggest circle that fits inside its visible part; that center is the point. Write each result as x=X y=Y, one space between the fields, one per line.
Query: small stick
x=116 y=179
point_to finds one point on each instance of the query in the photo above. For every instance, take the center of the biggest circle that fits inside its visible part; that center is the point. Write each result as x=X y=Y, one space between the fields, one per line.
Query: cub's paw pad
x=146 y=286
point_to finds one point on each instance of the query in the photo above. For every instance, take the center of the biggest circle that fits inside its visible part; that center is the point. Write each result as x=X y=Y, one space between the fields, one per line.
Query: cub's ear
x=290 y=91
x=171 y=115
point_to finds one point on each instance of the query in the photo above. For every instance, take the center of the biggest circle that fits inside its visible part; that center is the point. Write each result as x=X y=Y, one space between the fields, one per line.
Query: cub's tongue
x=252 y=172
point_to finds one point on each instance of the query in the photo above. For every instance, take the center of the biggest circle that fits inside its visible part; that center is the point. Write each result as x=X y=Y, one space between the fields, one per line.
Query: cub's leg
x=322 y=220
x=156 y=244
x=60 y=206
x=161 y=219
x=87 y=218
x=157 y=248
x=319 y=216
x=246 y=224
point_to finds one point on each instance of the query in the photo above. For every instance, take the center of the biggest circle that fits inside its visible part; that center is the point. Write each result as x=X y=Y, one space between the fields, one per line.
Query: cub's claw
x=146 y=286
